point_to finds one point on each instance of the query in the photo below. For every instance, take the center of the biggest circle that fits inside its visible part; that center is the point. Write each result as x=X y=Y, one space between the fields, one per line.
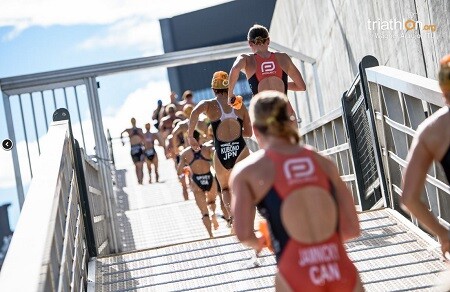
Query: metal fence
x=97 y=206
x=384 y=122
x=48 y=251
x=328 y=135
x=401 y=101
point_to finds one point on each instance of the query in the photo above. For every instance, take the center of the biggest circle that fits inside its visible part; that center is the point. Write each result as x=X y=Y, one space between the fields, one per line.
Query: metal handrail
x=48 y=250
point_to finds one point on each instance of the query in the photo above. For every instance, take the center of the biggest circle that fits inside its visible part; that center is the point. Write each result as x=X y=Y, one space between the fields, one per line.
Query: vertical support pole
x=25 y=134
x=111 y=150
x=65 y=99
x=15 y=157
x=102 y=152
x=79 y=116
x=35 y=124
x=54 y=100
x=318 y=90
x=45 y=111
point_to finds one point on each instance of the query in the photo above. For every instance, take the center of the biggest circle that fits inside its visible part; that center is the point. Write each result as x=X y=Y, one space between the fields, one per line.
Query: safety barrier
x=401 y=101
x=329 y=137
x=387 y=106
x=53 y=239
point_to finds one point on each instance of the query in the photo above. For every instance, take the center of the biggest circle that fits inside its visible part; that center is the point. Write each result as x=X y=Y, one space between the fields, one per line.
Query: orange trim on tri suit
x=266 y=67
x=297 y=170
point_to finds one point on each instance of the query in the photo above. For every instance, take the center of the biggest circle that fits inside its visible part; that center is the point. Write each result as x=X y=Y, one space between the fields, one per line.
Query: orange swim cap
x=219 y=80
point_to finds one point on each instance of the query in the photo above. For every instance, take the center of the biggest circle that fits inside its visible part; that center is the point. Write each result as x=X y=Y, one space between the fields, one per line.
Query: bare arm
x=181 y=164
x=243 y=209
x=297 y=83
x=159 y=139
x=238 y=66
x=175 y=133
x=412 y=185
x=198 y=109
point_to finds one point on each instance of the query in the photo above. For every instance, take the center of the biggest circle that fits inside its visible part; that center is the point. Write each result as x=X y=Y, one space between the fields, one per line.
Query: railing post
x=84 y=201
x=111 y=150
x=102 y=153
x=63 y=114
x=15 y=156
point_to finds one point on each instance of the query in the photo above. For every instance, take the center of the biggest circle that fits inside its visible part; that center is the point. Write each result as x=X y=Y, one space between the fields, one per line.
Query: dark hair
x=258 y=34
x=220 y=91
x=268 y=111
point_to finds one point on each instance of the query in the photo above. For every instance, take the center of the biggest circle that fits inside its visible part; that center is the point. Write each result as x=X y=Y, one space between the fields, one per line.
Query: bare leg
x=184 y=187
x=211 y=200
x=155 y=164
x=149 y=167
x=139 y=171
x=200 y=200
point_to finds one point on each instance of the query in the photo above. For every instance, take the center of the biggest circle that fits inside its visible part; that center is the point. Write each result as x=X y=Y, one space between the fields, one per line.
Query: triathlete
x=229 y=125
x=431 y=143
x=137 y=147
x=203 y=182
x=266 y=70
x=150 y=152
x=309 y=210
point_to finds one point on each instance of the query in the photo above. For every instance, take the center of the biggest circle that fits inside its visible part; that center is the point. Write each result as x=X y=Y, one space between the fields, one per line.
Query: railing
x=329 y=137
x=401 y=101
x=50 y=247
x=97 y=206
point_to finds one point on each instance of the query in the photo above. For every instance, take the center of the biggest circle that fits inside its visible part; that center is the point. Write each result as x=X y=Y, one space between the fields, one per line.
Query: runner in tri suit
x=230 y=126
x=309 y=210
x=137 y=148
x=266 y=70
x=203 y=182
x=150 y=152
x=174 y=145
x=431 y=143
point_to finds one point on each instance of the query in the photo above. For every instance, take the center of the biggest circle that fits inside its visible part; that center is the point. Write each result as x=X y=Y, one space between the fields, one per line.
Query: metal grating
x=364 y=146
x=389 y=256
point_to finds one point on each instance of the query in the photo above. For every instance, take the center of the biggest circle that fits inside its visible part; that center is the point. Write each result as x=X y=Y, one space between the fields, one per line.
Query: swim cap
x=220 y=80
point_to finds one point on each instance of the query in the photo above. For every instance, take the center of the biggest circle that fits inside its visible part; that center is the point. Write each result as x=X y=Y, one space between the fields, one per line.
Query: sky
x=44 y=35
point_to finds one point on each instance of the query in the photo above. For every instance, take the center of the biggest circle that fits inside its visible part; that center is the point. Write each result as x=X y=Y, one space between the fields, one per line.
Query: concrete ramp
x=391 y=255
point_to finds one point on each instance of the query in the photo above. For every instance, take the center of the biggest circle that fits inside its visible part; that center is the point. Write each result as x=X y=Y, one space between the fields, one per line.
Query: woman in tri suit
x=266 y=70
x=150 y=152
x=309 y=210
x=229 y=126
x=137 y=148
x=431 y=143
x=203 y=181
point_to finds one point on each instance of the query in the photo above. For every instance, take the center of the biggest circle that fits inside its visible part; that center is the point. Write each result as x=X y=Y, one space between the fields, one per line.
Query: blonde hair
x=268 y=112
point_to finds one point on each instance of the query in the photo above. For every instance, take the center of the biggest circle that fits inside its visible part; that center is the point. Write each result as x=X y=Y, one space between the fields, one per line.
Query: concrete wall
x=336 y=34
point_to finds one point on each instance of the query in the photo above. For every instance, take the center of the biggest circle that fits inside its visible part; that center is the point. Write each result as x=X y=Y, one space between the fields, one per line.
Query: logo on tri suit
x=299 y=169
x=267 y=67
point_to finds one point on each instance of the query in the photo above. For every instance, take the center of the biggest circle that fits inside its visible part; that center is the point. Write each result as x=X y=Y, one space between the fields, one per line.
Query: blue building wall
x=221 y=24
